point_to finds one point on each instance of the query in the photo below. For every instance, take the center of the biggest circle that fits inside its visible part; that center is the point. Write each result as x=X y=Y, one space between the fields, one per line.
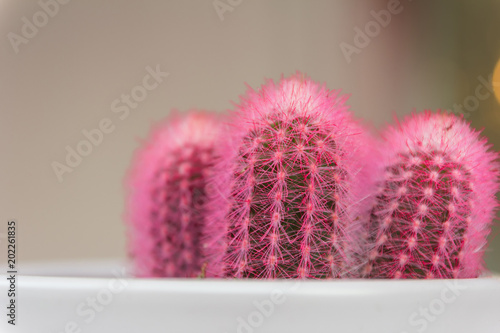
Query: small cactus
x=436 y=201
x=167 y=196
x=290 y=185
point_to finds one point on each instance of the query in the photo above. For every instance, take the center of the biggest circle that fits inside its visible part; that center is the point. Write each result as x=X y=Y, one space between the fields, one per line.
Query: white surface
x=54 y=304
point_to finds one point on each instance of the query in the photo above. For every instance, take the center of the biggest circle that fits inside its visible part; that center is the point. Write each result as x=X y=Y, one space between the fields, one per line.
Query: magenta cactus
x=291 y=186
x=436 y=201
x=167 y=184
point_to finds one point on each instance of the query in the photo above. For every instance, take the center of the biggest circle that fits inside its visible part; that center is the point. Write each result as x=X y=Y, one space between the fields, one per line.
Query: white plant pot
x=100 y=297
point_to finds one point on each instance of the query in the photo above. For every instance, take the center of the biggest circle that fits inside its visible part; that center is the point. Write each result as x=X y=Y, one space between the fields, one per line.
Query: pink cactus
x=436 y=202
x=291 y=186
x=167 y=194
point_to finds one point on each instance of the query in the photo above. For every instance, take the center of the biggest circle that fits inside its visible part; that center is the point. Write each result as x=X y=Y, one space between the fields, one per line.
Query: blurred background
x=67 y=68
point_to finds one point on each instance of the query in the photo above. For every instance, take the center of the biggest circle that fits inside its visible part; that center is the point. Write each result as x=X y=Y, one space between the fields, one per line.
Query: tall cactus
x=167 y=185
x=436 y=201
x=292 y=188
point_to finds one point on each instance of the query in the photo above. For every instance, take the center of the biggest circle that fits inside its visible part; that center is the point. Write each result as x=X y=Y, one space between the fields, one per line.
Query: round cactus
x=436 y=201
x=292 y=186
x=167 y=195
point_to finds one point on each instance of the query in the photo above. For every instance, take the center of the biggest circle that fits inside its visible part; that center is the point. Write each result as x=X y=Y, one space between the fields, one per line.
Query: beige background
x=64 y=79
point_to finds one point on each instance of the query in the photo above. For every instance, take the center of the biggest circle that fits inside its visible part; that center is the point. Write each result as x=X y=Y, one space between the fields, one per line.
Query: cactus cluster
x=168 y=184
x=292 y=186
x=435 y=203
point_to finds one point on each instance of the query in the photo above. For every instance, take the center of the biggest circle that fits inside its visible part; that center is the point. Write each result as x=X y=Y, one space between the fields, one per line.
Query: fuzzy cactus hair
x=436 y=201
x=167 y=192
x=292 y=187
